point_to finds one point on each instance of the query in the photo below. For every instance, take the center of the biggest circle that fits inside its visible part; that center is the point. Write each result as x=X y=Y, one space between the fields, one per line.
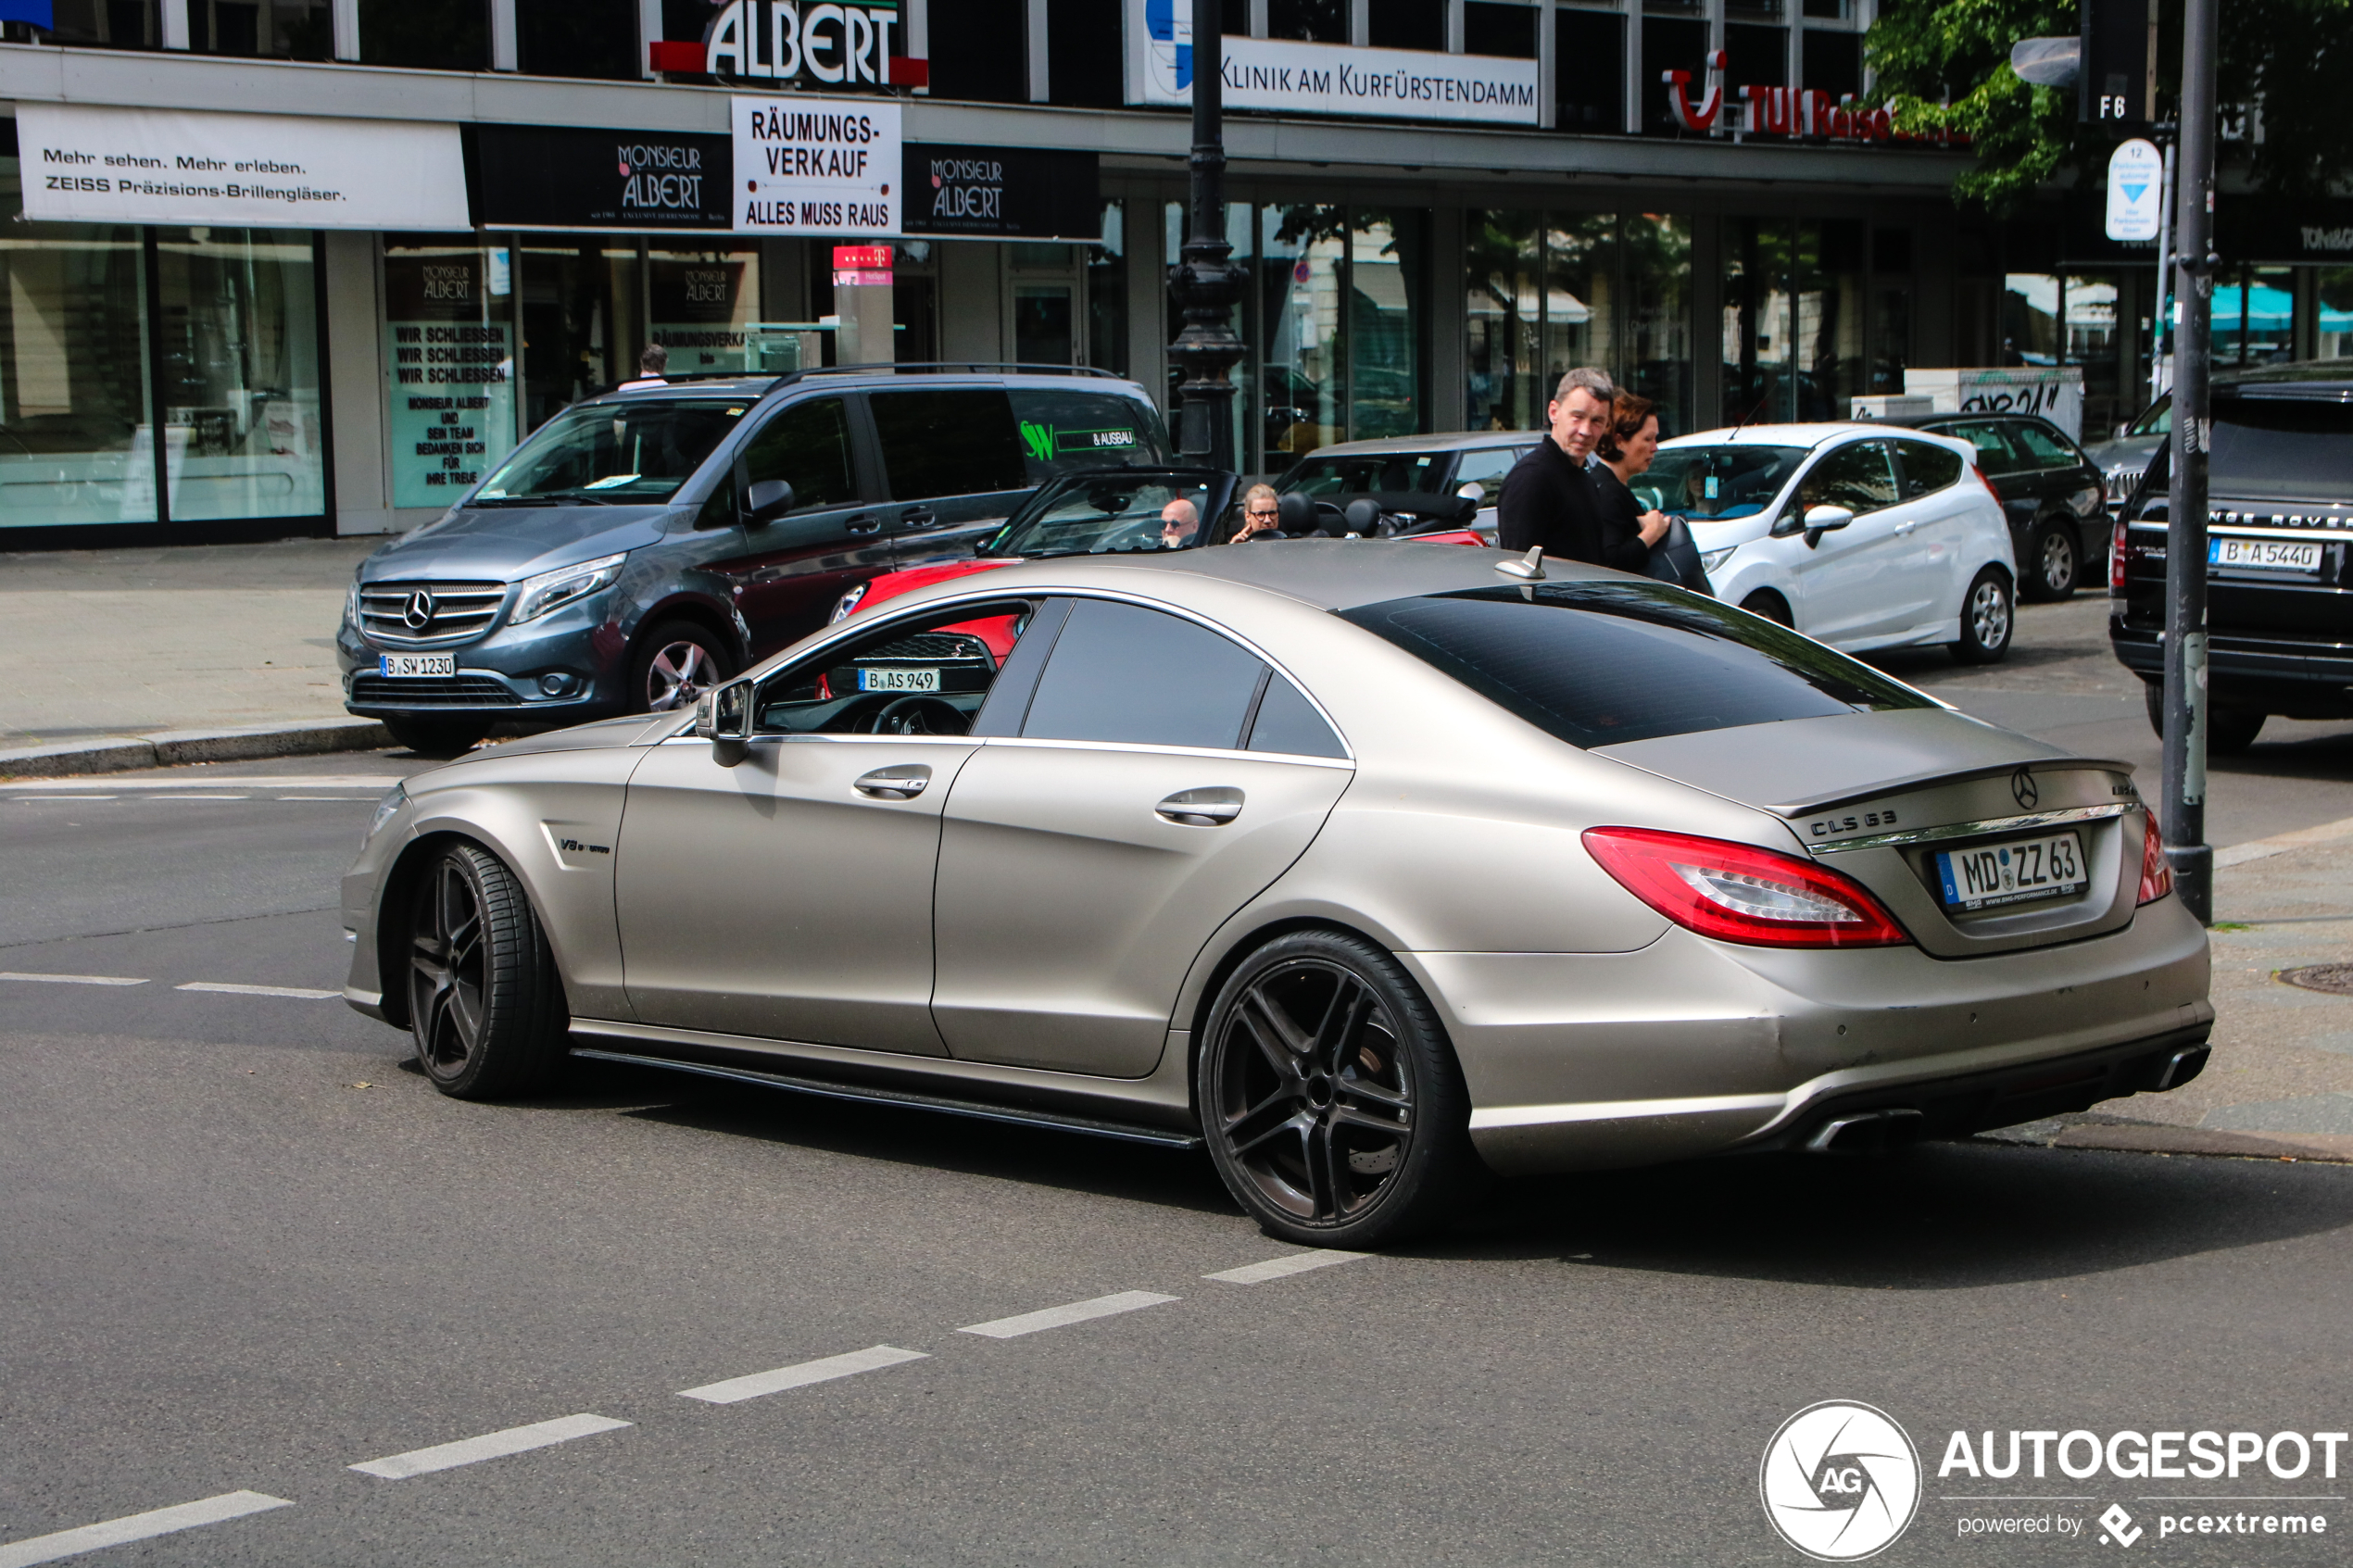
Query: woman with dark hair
x=1626 y=450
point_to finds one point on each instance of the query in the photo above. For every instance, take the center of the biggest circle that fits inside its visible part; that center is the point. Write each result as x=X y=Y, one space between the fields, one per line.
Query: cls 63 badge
x=1830 y=825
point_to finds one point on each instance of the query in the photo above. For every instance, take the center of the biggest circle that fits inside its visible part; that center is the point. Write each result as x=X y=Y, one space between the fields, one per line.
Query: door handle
x=1201 y=808
x=918 y=517
x=867 y=523
x=1903 y=528
x=903 y=782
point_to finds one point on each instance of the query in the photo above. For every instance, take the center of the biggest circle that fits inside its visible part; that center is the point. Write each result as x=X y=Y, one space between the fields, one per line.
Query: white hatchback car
x=1858 y=535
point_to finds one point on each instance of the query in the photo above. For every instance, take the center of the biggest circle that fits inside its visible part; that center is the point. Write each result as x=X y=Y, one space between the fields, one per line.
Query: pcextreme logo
x=1840 y=1480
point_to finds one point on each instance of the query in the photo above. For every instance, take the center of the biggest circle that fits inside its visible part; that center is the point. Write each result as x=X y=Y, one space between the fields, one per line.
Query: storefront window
x=425 y=34
x=1658 y=350
x=1551 y=292
x=450 y=349
x=1304 y=253
x=1251 y=443
x=1580 y=298
x=1107 y=293
x=1793 y=328
x=585 y=38
x=2090 y=304
x=1387 y=265
x=580 y=326
x=238 y=342
x=2334 y=287
x=700 y=304
x=2029 y=319
x=285 y=29
x=1505 y=290
x=2254 y=315
x=76 y=446
x=117 y=24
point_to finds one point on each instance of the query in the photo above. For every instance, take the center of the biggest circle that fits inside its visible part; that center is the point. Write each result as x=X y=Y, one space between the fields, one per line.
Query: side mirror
x=1472 y=491
x=724 y=718
x=768 y=500
x=1822 y=520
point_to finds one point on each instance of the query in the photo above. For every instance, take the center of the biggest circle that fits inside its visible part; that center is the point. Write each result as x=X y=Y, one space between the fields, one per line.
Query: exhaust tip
x=2181 y=1067
x=1873 y=1132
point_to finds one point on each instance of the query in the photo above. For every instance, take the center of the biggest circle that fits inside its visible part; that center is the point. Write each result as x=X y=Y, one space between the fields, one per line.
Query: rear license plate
x=2017 y=872
x=2264 y=555
x=412 y=664
x=897 y=680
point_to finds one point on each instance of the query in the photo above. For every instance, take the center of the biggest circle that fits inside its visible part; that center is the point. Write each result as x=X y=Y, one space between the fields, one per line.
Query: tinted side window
x=807 y=445
x=1928 y=467
x=1062 y=431
x=1121 y=672
x=922 y=675
x=1857 y=477
x=2290 y=448
x=1601 y=664
x=1287 y=721
x=2043 y=448
x=955 y=441
x=1994 y=454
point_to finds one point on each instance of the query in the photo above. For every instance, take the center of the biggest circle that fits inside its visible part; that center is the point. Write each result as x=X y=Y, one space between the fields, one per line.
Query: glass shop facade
x=1528 y=196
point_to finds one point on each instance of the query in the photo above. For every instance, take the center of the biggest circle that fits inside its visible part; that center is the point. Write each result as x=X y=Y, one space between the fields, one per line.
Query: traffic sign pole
x=2183 y=811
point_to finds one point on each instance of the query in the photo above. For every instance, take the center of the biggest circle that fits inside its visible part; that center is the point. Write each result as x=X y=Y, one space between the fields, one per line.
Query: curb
x=173 y=747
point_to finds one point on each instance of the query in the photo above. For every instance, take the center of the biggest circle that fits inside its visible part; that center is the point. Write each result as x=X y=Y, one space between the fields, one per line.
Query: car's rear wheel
x=2054 y=562
x=1986 y=620
x=2229 y=731
x=675 y=664
x=1331 y=1101
x=485 y=1001
x=437 y=737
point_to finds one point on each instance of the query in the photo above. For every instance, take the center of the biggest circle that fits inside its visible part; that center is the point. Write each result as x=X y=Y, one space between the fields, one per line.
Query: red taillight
x=1739 y=893
x=2118 y=541
x=1991 y=488
x=2157 y=872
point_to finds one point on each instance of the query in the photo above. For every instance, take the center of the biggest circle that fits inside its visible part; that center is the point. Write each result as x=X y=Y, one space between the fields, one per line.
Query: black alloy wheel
x=2053 y=563
x=1333 y=1106
x=485 y=1002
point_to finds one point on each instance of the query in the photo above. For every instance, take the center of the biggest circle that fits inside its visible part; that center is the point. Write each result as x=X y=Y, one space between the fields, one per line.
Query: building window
x=1408 y=24
x=1551 y=292
x=1660 y=345
x=237 y=343
x=425 y=34
x=1314 y=22
x=110 y=24
x=980 y=51
x=1754 y=56
x=1833 y=63
x=1589 y=72
x=1793 y=330
x=2334 y=289
x=1084 y=64
x=581 y=38
x=1890 y=308
x=1669 y=43
x=285 y=29
x=1490 y=28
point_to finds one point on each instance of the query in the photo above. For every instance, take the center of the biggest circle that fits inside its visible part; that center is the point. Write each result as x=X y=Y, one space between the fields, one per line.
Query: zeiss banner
x=1284 y=76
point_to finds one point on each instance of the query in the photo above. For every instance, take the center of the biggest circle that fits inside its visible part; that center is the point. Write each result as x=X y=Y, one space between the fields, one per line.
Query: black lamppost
x=1205 y=283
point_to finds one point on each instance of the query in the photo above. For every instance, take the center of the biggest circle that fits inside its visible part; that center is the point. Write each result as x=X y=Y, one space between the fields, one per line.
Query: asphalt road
x=245 y=1248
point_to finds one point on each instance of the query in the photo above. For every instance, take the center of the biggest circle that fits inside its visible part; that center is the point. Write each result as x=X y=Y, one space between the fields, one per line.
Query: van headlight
x=553 y=590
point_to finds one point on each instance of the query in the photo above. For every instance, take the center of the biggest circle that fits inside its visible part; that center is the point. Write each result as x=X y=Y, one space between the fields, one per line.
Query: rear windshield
x=613 y=454
x=1717 y=481
x=1604 y=663
x=2291 y=449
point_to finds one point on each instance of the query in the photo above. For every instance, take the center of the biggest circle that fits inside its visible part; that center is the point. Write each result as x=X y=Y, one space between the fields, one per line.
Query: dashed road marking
x=1076 y=1312
x=30 y=788
x=68 y=797
x=1278 y=1268
x=490 y=1445
x=360 y=799
x=801 y=1374
x=74 y=979
x=137 y=1527
x=203 y=798
x=303 y=993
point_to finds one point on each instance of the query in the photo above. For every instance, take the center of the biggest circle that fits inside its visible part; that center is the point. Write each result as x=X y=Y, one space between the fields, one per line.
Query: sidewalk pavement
x=203 y=638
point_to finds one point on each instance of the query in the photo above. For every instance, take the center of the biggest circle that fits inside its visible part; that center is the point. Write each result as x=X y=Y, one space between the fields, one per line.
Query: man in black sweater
x=1549 y=499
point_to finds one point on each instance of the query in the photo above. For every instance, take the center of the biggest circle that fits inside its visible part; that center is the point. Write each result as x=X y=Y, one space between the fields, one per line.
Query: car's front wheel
x=1330 y=1098
x=675 y=663
x=2053 y=563
x=1986 y=620
x=485 y=1001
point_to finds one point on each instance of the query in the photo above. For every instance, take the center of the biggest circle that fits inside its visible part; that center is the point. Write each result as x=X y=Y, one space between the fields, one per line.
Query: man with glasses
x=1179 y=521
x=1262 y=513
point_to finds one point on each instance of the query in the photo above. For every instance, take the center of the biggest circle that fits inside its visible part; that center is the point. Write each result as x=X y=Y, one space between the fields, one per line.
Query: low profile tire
x=437 y=737
x=1770 y=607
x=1987 y=618
x=675 y=664
x=485 y=1002
x=2229 y=731
x=2053 y=563
x=1331 y=1102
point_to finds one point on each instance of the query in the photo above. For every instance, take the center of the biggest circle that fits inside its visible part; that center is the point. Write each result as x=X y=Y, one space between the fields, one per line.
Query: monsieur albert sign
x=565 y=177
x=1012 y=192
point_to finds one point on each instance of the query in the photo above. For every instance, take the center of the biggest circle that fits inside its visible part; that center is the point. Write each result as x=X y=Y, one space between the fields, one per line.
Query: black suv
x=2280 y=584
x=2050 y=492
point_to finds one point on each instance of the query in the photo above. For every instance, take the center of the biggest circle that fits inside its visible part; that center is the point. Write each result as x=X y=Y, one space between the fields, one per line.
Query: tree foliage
x=1943 y=65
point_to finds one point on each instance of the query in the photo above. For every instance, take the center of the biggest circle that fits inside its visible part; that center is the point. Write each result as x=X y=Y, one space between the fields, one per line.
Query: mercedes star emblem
x=2023 y=790
x=418 y=613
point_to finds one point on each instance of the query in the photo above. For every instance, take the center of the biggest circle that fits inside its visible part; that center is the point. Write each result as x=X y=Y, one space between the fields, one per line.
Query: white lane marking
x=241 y=781
x=361 y=798
x=490 y=1445
x=137 y=1527
x=205 y=797
x=1279 y=1268
x=70 y=798
x=801 y=1374
x=301 y=992
x=1076 y=1312
x=74 y=979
